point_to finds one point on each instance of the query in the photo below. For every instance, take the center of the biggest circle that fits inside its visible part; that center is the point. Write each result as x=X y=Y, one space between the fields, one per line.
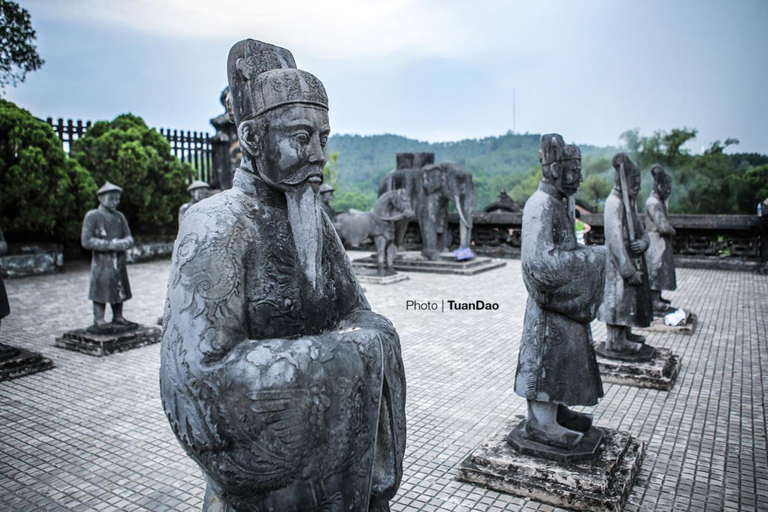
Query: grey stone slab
x=600 y=484
x=688 y=328
x=24 y=362
x=658 y=373
x=98 y=344
x=412 y=261
x=369 y=276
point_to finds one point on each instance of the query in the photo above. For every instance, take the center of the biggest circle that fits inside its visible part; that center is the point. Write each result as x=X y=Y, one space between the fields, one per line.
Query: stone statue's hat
x=197 y=184
x=659 y=175
x=552 y=148
x=263 y=77
x=108 y=187
x=326 y=187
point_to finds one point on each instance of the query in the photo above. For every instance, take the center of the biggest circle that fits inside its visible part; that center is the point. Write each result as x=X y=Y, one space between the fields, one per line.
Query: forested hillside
x=711 y=182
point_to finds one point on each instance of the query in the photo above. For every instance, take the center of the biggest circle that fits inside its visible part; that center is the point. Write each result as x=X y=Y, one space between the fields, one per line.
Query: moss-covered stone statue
x=627 y=297
x=557 y=367
x=660 y=256
x=106 y=233
x=276 y=376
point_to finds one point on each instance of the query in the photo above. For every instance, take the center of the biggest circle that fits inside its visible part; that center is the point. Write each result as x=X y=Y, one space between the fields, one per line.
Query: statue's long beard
x=307 y=228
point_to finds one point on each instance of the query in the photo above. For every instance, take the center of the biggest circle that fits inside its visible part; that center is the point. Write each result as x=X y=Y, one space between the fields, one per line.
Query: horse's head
x=394 y=205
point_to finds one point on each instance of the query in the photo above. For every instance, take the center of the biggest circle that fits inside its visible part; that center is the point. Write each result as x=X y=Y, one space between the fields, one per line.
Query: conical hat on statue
x=197 y=184
x=108 y=187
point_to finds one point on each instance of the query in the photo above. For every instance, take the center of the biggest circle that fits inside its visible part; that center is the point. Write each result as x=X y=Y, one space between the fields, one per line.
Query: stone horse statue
x=379 y=224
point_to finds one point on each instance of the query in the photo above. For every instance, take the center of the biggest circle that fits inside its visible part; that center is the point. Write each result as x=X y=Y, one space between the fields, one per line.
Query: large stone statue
x=627 y=297
x=226 y=147
x=277 y=378
x=430 y=188
x=198 y=190
x=660 y=257
x=379 y=224
x=106 y=233
x=557 y=367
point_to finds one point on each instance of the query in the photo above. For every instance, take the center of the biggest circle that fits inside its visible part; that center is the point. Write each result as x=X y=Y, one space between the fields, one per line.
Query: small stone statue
x=379 y=224
x=226 y=147
x=557 y=367
x=5 y=309
x=660 y=257
x=276 y=376
x=326 y=197
x=627 y=297
x=198 y=191
x=106 y=233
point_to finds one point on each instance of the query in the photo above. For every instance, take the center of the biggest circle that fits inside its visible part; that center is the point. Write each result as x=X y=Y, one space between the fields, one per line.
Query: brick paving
x=91 y=435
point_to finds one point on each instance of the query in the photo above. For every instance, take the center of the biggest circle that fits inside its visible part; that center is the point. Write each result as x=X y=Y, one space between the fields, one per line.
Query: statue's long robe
x=288 y=400
x=624 y=304
x=109 y=272
x=660 y=256
x=565 y=284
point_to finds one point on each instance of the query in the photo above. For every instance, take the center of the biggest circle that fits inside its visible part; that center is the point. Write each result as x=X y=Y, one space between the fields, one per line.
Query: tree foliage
x=18 y=53
x=137 y=158
x=43 y=194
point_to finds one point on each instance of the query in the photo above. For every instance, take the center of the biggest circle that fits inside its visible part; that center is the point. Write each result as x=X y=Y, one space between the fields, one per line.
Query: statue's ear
x=554 y=170
x=250 y=137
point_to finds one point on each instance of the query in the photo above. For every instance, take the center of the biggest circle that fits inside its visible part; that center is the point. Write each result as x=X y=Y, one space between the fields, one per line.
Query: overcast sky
x=436 y=70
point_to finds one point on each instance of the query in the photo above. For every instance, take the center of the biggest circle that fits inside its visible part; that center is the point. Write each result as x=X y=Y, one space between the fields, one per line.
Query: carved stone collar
x=253 y=185
x=551 y=190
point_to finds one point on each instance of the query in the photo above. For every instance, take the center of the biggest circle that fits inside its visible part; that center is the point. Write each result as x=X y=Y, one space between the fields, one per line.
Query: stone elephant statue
x=431 y=187
x=379 y=224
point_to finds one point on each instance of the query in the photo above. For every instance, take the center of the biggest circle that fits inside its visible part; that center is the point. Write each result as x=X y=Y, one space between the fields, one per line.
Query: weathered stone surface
x=585 y=450
x=658 y=373
x=413 y=261
x=23 y=362
x=646 y=353
x=371 y=276
x=276 y=376
x=104 y=344
x=32 y=260
x=600 y=484
x=149 y=250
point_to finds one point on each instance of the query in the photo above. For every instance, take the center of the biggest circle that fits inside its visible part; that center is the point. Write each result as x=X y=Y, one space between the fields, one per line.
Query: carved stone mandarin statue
x=198 y=190
x=627 y=297
x=106 y=233
x=557 y=367
x=326 y=198
x=5 y=309
x=276 y=376
x=660 y=257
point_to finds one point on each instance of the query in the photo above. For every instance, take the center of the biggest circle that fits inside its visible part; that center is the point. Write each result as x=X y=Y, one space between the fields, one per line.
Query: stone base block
x=104 y=344
x=600 y=484
x=413 y=261
x=658 y=373
x=689 y=327
x=23 y=362
x=370 y=276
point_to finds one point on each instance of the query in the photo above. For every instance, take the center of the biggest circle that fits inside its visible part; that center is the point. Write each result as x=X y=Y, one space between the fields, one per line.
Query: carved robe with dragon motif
x=282 y=392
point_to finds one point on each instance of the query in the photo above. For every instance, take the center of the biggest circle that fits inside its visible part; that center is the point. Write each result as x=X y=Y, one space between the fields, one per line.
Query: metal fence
x=193 y=148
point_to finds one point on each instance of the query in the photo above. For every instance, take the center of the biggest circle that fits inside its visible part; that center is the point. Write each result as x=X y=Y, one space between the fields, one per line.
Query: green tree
x=138 y=159
x=594 y=189
x=43 y=194
x=18 y=53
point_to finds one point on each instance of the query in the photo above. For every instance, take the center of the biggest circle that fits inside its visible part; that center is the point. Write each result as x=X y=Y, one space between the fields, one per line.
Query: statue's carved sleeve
x=560 y=279
x=655 y=211
x=88 y=238
x=614 y=237
x=126 y=230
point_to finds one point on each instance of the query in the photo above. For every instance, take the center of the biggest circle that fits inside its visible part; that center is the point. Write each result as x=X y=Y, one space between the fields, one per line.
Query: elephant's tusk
x=460 y=207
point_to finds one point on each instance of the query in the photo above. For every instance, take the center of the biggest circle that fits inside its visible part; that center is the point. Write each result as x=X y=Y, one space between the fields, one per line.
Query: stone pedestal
x=106 y=343
x=658 y=325
x=413 y=261
x=602 y=483
x=659 y=372
x=23 y=362
x=370 y=276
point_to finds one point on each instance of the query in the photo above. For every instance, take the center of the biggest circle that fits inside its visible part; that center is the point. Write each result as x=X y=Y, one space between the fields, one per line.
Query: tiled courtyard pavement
x=91 y=435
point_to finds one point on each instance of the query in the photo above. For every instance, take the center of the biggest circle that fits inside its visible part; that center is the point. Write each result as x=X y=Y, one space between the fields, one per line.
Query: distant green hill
x=496 y=163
